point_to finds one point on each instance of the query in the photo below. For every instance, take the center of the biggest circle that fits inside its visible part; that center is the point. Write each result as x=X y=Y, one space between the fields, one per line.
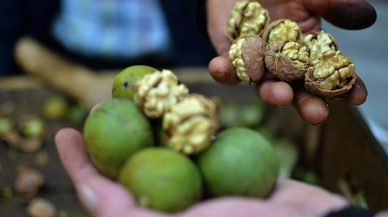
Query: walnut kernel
x=332 y=76
x=246 y=18
x=190 y=124
x=157 y=92
x=28 y=182
x=282 y=30
x=247 y=56
x=319 y=42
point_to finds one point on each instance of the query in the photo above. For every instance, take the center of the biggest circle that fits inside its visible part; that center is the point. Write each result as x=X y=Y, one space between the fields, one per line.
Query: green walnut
x=56 y=108
x=240 y=162
x=162 y=179
x=113 y=132
x=124 y=83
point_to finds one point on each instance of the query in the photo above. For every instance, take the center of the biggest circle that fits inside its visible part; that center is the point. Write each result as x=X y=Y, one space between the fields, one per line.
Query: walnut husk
x=312 y=85
x=281 y=66
x=273 y=24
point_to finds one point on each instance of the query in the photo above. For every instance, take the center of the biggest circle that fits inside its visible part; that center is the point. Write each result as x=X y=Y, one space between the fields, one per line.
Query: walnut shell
x=312 y=85
x=267 y=31
x=247 y=17
x=282 y=66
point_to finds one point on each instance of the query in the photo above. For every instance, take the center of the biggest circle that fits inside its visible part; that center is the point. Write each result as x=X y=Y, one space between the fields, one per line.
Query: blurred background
x=370 y=55
x=59 y=58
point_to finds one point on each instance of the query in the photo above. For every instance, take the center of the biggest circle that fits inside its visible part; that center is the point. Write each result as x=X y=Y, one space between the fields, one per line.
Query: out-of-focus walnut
x=287 y=61
x=6 y=126
x=40 y=207
x=247 y=17
x=28 y=182
x=157 y=92
x=332 y=76
x=27 y=145
x=282 y=30
x=319 y=42
x=190 y=124
x=247 y=56
x=41 y=158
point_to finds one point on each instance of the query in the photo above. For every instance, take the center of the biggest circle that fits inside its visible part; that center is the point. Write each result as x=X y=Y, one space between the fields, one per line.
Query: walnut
x=247 y=56
x=40 y=207
x=190 y=124
x=287 y=61
x=332 y=76
x=6 y=126
x=246 y=18
x=157 y=92
x=319 y=42
x=28 y=182
x=282 y=30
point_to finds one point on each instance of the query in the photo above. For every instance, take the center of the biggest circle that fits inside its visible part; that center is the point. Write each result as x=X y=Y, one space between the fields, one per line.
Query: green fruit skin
x=125 y=81
x=56 y=108
x=166 y=180
x=113 y=132
x=239 y=162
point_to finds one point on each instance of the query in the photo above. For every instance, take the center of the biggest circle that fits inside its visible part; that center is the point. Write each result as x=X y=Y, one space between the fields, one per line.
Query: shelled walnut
x=247 y=56
x=28 y=182
x=287 y=61
x=332 y=76
x=190 y=124
x=156 y=93
x=282 y=30
x=247 y=17
x=319 y=42
x=40 y=207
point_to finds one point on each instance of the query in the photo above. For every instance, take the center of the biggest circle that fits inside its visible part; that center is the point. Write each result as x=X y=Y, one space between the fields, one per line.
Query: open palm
x=348 y=14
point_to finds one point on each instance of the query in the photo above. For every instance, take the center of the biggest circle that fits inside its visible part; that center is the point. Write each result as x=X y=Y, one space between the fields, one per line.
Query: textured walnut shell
x=282 y=68
x=315 y=35
x=273 y=24
x=312 y=84
x=253 y=50
x=237 y=32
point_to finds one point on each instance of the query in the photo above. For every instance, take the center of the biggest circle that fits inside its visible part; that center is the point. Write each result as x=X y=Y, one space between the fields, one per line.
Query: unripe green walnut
x=113 y=132
x=162 y=179
x=124 y=83
x=240 y=161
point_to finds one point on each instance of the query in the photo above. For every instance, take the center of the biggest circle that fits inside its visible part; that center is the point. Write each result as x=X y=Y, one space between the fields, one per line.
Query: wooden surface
x=58 y=188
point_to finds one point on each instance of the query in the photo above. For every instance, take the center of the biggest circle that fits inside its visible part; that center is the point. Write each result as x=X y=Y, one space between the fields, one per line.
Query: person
x=104 y=197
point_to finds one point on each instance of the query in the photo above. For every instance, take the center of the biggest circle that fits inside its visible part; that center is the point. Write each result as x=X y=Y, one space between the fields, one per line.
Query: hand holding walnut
x=345 y=14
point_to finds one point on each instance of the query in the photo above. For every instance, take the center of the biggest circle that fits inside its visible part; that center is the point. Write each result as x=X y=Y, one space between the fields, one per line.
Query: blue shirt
x=116 y=29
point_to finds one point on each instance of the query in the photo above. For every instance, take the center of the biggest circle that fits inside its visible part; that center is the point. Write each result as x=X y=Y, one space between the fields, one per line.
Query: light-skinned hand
x=104 y=197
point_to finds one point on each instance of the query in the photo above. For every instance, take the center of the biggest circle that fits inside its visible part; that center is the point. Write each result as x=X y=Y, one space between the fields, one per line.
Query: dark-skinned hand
x=347 y=14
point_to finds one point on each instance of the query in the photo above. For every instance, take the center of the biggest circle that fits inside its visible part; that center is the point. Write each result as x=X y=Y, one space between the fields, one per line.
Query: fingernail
x=88 y=197
x=95 y=107
x=219 y=75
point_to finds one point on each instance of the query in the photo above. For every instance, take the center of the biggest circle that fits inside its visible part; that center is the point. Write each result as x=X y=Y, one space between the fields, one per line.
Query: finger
x=222 y=71
x=310 y=200
x=274 y=92
x=238 y=206
x=217 y=19
x=100 y=195
x=358 y=94
x=312 y=109
x=347 y=14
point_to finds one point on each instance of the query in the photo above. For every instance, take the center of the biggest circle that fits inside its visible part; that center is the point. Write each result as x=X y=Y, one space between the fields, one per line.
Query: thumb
x=346 y=14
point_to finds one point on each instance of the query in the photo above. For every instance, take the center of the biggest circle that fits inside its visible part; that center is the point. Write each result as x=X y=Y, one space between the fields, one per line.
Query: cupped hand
x=347 y=14
x=104 y=197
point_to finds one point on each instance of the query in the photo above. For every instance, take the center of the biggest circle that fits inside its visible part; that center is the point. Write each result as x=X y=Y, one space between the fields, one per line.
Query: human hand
x=348 y=14
x=102 y=196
